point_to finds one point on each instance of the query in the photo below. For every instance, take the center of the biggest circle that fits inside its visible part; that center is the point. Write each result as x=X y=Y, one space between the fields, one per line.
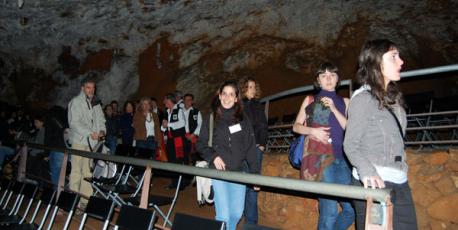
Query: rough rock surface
x=435 y=202
x=147 y=47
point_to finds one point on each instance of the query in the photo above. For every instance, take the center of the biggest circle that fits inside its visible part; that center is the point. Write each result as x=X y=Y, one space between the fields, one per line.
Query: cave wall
x=433 y=178
x=149 y=48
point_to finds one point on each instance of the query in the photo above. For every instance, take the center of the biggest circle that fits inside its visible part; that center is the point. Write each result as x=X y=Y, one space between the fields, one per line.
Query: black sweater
x=255 y=111
x=56 y=123
x=112 y=125
x=233 y=148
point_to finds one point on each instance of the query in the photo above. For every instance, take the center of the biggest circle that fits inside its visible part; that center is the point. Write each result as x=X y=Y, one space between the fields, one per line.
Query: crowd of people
x=357 y=141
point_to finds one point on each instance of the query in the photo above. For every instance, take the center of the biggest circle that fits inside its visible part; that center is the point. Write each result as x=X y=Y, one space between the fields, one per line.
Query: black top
x=193 y=120
x=255 y=112
x=233 y=148
x=56 y=123
x=113 y=125
x=181 y=132
x=5 y=137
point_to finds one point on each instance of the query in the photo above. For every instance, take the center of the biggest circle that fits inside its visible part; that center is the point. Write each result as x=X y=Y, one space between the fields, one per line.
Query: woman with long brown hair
x=375 y=129
x=251 y=93
x=147 y=132
x=232 y=144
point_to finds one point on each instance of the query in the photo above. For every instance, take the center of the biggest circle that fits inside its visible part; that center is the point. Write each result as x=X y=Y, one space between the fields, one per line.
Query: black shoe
x=182 y=187
x=171 y=186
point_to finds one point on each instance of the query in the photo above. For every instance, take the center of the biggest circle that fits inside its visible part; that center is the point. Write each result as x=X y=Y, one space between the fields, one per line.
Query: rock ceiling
x=138 y=48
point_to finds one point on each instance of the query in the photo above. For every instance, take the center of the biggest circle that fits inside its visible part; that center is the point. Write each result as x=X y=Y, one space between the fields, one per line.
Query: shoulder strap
x=397 y=122
x=210 y=130
x=311 y=99
x=57 y=123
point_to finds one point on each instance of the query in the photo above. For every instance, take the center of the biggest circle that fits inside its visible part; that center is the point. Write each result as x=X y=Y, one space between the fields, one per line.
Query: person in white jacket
x=87 y=127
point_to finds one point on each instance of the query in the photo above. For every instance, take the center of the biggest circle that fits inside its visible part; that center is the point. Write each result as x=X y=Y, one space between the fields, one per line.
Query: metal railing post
x=144 y=200
x=387 y=218
x=266 y=109
x=22 y=168
x=63 y=172
x=350 y=89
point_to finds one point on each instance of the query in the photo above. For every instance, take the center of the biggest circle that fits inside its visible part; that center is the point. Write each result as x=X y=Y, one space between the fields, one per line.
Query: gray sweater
x=372 y=136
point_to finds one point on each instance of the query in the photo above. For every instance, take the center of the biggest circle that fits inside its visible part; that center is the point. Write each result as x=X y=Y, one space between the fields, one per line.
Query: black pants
x=404 y=217
x=191 y=157
x=171 y=155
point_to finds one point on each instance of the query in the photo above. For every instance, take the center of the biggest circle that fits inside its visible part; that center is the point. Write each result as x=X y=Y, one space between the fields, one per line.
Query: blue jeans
x=4 y=152
x=338 y=172
x=55 y=164
x=111 y=142
x=229 y=201
x=251 y=198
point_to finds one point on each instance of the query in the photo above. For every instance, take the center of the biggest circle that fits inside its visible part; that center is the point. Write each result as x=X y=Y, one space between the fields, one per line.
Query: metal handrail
x=346 y=191
x=432 y=114
x=297 y=90
x=426 y=71
x=431 y=142
x=407 y=129
x=405 y=74
x=348 y=82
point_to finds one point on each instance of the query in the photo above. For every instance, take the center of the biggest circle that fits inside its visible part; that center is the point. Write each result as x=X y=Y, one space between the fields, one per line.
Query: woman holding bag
x=147 y=133
x=322 y=118
x=376 y=126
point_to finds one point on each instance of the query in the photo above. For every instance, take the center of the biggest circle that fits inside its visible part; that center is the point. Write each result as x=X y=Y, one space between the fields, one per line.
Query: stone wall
x=433 y=177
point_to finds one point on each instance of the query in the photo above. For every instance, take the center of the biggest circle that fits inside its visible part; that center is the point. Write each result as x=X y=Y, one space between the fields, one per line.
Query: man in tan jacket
x=87 y=126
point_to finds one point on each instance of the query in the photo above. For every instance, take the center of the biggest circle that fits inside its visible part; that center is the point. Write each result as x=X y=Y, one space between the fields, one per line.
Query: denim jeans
x=338 y=172
x=251 y=198
x=404 y=216
x=229 y=201
x=111 y=142
x=4 y=152
x=55 y=164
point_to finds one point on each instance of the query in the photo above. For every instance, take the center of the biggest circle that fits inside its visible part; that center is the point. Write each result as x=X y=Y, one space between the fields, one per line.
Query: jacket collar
x=360 y=90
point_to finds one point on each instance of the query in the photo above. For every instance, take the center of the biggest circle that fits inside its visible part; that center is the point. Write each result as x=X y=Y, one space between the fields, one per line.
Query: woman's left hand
x=328 y=102
x=256 y=188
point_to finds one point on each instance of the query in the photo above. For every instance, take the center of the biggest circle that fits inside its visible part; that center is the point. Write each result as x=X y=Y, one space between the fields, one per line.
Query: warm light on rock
x=434 y=189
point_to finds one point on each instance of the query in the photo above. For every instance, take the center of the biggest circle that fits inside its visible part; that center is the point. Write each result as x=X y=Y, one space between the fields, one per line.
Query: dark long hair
x=369 y=72
x=238 y=107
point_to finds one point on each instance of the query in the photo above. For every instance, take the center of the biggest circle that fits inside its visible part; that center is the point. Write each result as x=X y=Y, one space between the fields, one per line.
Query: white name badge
x=235 y=128
x=175 y=116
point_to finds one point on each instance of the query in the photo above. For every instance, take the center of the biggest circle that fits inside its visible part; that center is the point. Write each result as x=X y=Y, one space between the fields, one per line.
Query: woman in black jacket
x=233 y=142
x=251 y=92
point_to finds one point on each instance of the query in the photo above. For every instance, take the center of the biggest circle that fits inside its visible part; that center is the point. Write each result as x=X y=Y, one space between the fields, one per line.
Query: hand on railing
x=373 y=181
x=94 y=136
x=219 y=164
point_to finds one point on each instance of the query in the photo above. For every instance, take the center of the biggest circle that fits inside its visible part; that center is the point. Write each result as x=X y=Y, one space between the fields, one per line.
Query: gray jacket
x=372 y=136
x=83 y=119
